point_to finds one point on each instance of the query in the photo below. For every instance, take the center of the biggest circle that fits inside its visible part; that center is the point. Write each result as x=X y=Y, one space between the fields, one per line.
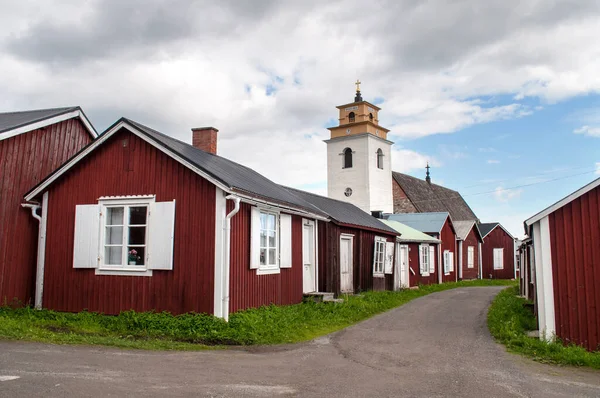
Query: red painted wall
x=134 y=169
x=574 y=237
x=471 y=240
x=249 y=290
x=413 y=262
x=448 y=238
x=498 y=238
x=25 y=160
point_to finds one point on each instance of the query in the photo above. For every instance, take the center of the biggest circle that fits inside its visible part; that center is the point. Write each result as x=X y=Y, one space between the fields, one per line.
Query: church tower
x=359 y=164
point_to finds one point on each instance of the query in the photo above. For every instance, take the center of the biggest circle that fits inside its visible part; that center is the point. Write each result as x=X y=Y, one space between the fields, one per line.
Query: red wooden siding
x=25 y=160
x=470 y=240
x=574 y=237
x=249 y=290
x=448 y=238
x=413 y=263
x=126 y=165
x=363 y=250
x=498 y=238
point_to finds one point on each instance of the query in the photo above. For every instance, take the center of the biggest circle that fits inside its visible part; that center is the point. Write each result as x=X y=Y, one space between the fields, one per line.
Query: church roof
x=426 y=197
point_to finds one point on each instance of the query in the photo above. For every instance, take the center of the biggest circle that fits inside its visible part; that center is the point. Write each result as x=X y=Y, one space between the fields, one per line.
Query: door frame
x=349 y=237
x=307 y=222
x=407 y=270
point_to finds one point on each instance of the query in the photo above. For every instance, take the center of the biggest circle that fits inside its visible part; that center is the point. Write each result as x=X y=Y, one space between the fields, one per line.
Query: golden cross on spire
x=357 y=85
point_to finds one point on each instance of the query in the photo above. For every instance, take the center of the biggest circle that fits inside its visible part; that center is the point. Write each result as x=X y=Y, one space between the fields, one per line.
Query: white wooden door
x=308 y=256
x=346 y=285
x=404 y=282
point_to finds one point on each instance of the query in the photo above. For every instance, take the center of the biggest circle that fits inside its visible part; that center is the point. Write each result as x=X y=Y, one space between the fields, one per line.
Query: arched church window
x=380 y=159
x=370 y=116
x=351 y=117
x=347 y=158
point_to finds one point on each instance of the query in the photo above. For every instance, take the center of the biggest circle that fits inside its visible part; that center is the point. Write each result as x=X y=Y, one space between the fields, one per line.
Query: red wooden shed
x=497 y=252
x=32 y=145
x=469 y=248
x=356 y=250
x=566 y=262
x=139 y=220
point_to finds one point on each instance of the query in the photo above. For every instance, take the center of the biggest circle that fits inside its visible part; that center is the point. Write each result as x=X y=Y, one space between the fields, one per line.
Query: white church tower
x=359 y=164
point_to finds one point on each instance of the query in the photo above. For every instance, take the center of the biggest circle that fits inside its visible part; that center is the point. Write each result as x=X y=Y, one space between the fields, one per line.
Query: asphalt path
x=434 y=346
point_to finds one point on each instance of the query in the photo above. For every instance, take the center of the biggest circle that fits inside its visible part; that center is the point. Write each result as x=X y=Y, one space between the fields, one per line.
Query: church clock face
x=348 y=191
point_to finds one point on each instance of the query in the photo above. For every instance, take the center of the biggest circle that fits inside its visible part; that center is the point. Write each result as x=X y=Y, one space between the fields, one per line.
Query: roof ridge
x=425 y=182
x=41 y=109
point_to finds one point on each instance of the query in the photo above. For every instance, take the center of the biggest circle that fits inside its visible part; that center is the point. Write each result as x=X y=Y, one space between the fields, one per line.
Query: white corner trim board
x=47 y=122
x=544 y=278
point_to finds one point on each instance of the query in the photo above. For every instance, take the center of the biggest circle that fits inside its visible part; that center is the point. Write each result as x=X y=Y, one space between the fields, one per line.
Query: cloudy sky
x=501 y=97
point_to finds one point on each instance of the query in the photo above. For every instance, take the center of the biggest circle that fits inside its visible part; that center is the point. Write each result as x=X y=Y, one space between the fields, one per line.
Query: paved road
x=435 y=346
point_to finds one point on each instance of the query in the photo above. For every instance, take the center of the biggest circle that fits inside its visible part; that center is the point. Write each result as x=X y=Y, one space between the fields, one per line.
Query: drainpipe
x=227 y=255
x=41 y=247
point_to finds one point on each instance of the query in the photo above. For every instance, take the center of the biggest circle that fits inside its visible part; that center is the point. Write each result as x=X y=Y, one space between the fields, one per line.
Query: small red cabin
x=32 y=145
x=469 y=249
x=497 y=252
x=566 y=267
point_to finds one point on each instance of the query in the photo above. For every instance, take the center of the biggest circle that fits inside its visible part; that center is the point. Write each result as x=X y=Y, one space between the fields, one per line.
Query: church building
x=359 y=164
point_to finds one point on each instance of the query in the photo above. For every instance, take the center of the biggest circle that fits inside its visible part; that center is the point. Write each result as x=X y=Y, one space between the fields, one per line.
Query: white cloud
x=506 y=194
x=405 y=160
x=493 y=161
x=589 y=131
x=486 y=150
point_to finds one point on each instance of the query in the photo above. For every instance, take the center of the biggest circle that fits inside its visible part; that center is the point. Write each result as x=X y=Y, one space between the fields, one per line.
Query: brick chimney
x=205 y=138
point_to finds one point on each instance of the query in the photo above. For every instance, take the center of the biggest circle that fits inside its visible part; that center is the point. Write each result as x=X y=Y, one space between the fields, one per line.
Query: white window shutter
x=421 y=263
x=86 y=245
x=445 y=261
x=254 y=238
x=161 y=234
x=375 y=255
x=431 y=259
x=285 y=236
x=451 y=255
x=389 y=257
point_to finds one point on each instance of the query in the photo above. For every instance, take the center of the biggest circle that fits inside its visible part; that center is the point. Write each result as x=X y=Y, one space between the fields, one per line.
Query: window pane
x=114 y=215
x=263 y=221
x=271 y=222
x=263 y=238
x=272 y=257
x=136 y=255
x=114 y=235
x=263 y=256
x=272 y=239
x=137 y=235
x=137 y=215
x=113 y=255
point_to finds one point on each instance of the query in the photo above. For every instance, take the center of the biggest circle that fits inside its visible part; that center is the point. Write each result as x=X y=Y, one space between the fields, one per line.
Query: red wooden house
x=566 y=266
x=526 y=269
x=469 y=249
x=440 y=226
x=416 y=255
x=355 y=249
x=497 y=252
x=32 y=145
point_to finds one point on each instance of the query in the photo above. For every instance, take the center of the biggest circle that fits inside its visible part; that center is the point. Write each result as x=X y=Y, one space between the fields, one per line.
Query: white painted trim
x=544 y=279
x=268 y=271
x=41 y=257
x=220 y=209
x=504 y=229
x=316 y=255
x=479 y=260
x=460 y=259
x=440 y=265
x=349 y=237
x=123 y=272
x=562 y=202
x=123 y=124
x=47 y=122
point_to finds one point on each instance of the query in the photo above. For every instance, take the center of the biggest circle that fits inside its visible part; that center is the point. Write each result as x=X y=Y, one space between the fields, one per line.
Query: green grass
x=163 y=331
x=509 y=320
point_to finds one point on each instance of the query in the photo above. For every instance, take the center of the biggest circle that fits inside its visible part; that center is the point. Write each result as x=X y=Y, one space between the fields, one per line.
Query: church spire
x=358 y=97
x=427 y=177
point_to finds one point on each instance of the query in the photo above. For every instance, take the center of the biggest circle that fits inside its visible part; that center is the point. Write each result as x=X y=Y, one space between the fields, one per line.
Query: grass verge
x=509 y=320
x=163 y=331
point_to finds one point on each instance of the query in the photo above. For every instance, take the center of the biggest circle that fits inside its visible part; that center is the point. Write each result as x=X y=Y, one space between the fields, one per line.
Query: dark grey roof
x=430 y=223
x=343 y=212
x=427 y=198
x=12 y=120
x=233 y=175
x=486 y=228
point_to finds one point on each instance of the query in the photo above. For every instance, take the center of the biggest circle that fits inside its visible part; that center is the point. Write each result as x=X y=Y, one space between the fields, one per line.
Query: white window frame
x=125 y=268
x=470 y=256
x=379 y=257
x=424 y=260
x=265 y=269
x=447 y=262
x=501 y=265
